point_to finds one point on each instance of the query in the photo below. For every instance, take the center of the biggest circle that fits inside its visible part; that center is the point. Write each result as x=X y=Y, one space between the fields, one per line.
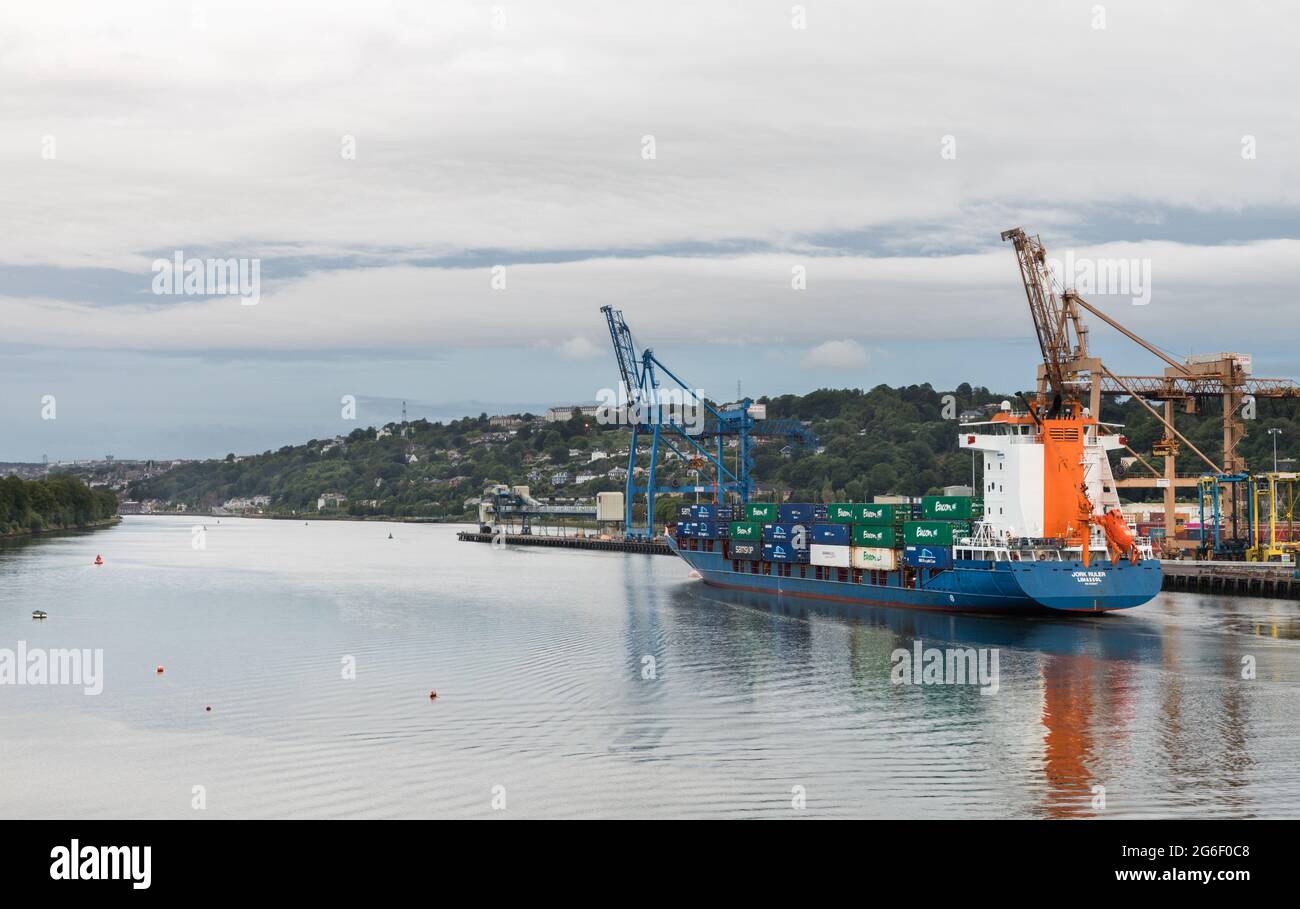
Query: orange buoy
x=99 y=560
x=160 y=670
x=433 y=695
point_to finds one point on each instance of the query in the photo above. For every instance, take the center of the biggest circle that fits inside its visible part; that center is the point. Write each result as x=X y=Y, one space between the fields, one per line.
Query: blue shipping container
x=782 y=552
x=927 y=556
x=725 y=513
x=751 y=552
x=821 y=512
x=705 y=530
x=704 y=512
x=783 y=533
x=796 y=512
x=684 y=512
x=831 y=534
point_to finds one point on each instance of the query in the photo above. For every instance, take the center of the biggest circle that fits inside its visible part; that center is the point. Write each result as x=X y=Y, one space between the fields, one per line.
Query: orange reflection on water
x=1077 y=689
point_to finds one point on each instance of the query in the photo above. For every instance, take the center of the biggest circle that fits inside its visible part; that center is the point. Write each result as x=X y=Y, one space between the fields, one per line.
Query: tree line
x=55 y=503
x=884 y=440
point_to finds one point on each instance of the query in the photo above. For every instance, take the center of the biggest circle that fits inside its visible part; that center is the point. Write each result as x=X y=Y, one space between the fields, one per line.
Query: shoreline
x=303 y=516
x=80 y=528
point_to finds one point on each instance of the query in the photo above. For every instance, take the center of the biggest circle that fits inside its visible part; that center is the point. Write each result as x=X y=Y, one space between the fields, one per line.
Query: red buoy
x=99 y=560
x=433 y=695
x=160 y=670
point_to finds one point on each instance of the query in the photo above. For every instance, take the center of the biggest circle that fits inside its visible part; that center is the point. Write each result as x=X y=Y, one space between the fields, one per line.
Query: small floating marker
x=208 y=708
x=39 y=614
x=390 y=536
x=99 y=560
x=160 y=670
x=433 y=695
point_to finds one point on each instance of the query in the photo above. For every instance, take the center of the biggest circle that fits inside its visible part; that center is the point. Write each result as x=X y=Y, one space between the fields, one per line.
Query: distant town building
x=330 y=500
x=560 y=414
x=563 y=478
x=246 y=503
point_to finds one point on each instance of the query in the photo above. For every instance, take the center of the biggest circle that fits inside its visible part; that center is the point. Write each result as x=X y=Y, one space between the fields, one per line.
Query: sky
x=438 y=197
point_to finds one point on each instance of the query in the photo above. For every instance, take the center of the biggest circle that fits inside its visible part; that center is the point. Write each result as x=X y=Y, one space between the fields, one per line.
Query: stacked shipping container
x=869 y=536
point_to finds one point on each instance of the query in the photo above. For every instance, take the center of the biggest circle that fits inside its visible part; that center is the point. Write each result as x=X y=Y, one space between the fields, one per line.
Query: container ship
x=1044 y=533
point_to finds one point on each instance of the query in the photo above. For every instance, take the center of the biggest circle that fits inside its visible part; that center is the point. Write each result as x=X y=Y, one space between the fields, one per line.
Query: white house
x=330 y=500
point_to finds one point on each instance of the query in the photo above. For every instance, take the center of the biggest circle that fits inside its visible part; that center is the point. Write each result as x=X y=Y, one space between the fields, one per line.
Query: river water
x=576 y=684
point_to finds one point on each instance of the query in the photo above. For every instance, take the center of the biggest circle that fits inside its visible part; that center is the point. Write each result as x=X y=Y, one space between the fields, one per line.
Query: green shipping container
x=760 y=512
x=872 y=513
x=876 y=536
x=746 y=530
x=948 y=508
x=927 y=533
x=842 y=513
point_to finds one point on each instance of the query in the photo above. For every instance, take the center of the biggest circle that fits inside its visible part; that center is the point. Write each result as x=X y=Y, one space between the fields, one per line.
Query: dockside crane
x=686 y=425
x=1070 y=372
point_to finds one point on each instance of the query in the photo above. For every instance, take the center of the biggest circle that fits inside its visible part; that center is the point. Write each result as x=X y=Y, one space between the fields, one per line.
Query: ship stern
x=1101 y=587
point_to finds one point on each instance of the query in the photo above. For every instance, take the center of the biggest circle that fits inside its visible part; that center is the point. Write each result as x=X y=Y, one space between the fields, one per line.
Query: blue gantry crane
x=687 y=425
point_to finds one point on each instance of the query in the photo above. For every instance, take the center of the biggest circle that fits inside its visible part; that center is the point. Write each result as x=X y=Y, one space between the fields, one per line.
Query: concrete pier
x=651 y=547
x=1259 y=579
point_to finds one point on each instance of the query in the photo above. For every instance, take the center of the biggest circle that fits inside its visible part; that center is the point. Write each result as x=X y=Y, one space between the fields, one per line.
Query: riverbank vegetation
x=54 y=503
x=872 y=442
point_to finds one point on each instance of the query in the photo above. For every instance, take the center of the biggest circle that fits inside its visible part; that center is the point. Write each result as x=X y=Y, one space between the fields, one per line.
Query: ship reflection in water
x=603 y=684
x=1135 y=714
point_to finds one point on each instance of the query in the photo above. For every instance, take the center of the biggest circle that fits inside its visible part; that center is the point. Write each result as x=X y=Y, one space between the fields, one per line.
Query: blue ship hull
x=969 y=586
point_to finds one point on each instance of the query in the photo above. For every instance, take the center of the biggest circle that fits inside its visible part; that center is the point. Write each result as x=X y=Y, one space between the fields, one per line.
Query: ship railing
x=1039 y=543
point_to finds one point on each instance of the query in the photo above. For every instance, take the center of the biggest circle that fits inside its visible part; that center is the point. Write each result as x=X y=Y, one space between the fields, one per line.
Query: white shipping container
x=609 y=506
x=875 y=559
x=830 y=556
